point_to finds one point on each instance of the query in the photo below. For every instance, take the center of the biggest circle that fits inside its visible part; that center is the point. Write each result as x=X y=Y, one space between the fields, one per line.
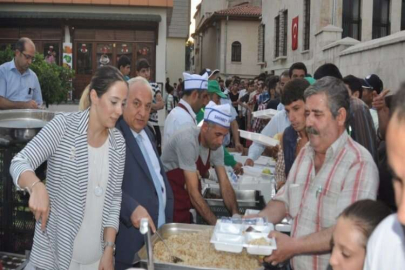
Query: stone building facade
x=227 y=37
x=359 y=36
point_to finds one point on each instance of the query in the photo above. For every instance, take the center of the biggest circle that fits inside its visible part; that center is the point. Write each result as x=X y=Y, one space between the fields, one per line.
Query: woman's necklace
x=98 y=190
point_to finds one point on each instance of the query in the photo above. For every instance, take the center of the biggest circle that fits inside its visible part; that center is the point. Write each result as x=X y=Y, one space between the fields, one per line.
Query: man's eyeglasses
x=27 y=56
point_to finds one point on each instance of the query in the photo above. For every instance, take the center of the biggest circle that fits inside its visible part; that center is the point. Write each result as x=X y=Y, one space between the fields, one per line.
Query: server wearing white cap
x=190 y=152
x=195 y=97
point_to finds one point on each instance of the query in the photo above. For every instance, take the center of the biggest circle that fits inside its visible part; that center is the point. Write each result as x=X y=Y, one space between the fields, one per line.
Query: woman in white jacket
x=77 y=212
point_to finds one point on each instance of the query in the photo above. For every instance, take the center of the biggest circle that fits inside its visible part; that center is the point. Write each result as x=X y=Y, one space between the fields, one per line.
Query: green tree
x=55 y=80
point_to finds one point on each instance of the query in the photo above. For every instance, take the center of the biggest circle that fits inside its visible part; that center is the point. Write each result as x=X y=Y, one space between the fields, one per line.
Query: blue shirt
x=280 y=107
x=15 y=86
x=263 y=97
x=276 y=125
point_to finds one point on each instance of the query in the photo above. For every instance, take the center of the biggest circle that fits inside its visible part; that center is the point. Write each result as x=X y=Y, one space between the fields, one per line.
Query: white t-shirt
x=374 y=115
x=177 y=119
x=87 y=245
x=183 y=149
x=386 y=246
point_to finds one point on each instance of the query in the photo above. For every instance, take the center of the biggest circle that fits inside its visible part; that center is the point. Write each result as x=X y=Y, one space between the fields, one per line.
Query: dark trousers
x=121 y=265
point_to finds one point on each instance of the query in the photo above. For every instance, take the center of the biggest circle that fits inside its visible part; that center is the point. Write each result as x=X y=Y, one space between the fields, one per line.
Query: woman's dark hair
x=366 y=215
x=104 y=78
x=293 y=91
x=272 y=81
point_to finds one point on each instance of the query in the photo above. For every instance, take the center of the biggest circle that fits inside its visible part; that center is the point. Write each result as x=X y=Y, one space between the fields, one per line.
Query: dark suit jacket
x=137 y=189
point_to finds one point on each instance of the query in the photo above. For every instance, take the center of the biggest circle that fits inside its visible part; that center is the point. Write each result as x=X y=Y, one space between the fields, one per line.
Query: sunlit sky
x=194 y=4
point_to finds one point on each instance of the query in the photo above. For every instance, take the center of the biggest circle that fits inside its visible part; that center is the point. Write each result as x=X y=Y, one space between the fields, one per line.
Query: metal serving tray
x=245 y=198
x=174 y=229
x=165 y=231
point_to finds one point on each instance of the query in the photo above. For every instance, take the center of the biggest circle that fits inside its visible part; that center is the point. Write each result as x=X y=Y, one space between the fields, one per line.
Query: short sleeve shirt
x=153 y=118
x=15 y=86
x=315 y=200
x=183 y=149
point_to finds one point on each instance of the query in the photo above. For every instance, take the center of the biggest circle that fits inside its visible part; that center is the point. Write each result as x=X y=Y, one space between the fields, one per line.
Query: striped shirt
x=153 y=118
x=63 y=143
x=314 y=201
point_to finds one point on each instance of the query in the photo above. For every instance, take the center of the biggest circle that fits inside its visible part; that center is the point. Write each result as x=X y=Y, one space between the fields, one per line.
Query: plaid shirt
x=314 y=201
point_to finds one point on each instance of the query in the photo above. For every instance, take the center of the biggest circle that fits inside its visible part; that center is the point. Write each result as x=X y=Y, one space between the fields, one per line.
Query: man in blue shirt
x=19 y=85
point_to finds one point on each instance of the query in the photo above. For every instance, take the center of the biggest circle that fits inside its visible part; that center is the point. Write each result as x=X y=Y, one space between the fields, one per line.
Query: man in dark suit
x=146 y=193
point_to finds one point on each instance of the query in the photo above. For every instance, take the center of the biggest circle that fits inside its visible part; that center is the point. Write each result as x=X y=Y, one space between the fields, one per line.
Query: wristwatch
x=110 y=244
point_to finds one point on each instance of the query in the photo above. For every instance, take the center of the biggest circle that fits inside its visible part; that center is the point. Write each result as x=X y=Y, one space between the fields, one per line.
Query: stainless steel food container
x=245 y=198
x=20 y=126
x=174 y=229
x=166 y=231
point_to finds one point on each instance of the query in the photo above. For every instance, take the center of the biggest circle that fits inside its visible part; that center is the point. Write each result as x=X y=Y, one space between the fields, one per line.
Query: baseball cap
x=373 y=82
x=213 y=87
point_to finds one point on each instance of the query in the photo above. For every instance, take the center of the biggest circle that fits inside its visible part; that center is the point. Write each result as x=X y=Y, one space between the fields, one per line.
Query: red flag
x=294 y=32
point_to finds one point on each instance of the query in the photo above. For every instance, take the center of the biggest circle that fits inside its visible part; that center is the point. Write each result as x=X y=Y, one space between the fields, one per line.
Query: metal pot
x=20 y=126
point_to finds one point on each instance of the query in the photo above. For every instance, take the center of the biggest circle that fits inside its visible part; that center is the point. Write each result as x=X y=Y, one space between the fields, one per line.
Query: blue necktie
x=156 y=182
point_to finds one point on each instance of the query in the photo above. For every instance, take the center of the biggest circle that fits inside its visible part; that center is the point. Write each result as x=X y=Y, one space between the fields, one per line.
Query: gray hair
x=142 y=81
x=336 y=93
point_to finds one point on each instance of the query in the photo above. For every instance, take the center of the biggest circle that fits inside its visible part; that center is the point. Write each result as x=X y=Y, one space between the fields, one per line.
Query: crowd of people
x=339 y=164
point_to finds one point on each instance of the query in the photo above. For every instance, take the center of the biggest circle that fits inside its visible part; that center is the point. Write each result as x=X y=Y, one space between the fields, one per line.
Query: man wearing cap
x=191 y=152
x=143 y=70
x=195 y=97
x=372 y=87
x=216 y=95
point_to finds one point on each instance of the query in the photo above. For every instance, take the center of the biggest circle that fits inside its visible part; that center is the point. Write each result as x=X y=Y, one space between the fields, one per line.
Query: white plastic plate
x=264 y=114
x=259 y=138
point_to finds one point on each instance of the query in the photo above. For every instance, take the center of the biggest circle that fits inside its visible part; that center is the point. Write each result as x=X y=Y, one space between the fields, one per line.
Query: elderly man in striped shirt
x=331 y=172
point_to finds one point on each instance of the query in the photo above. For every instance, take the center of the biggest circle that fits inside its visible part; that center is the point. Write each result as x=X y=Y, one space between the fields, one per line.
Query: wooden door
x=84 y=66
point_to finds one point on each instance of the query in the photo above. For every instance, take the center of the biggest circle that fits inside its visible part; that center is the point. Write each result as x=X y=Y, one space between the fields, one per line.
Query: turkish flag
x=294 y=32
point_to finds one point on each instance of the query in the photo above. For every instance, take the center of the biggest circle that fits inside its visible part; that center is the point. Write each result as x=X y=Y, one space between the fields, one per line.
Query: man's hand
x=238 y=168
x=379 y=101
x=285 y=248
x=30 y=104
x=39 y=204
x=106 y=262
x=272 y=151
x=239 y=147
x=139 y=213
x=249 y=162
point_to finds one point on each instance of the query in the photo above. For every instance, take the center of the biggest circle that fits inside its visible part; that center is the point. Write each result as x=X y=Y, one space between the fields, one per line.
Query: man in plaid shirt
x=331 y=172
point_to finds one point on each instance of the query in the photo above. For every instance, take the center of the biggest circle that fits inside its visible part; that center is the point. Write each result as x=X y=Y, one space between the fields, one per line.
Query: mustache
x=311 y=130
